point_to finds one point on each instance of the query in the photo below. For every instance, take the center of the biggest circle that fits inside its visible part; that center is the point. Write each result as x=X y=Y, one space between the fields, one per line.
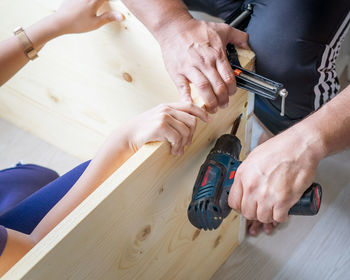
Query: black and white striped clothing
x=296 y=43
x=328 y=85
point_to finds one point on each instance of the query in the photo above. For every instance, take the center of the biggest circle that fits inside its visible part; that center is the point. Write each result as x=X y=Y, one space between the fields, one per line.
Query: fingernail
x=119 y=16
x=225 y=105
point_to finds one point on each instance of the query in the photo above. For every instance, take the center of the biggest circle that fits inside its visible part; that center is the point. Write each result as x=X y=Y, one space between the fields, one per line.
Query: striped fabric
x=328 y=84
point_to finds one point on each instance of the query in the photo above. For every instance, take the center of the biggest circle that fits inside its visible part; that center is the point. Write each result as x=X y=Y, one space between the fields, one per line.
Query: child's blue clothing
x=27 y=194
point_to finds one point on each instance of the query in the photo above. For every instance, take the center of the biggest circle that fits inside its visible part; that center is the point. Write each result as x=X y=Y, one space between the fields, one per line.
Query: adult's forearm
x=330 y=125
x=12 y=56
x=159 y=15
x=288 y=163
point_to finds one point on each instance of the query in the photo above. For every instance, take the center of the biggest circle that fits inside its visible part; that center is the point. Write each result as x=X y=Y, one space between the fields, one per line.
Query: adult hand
x=78 y=16
x=274 y=176
x=195 y=52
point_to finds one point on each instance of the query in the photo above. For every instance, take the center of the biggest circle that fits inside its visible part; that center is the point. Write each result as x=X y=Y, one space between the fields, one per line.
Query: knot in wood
x=217 y=241
x=143 y=234
x=127 y=77
x=196 y=234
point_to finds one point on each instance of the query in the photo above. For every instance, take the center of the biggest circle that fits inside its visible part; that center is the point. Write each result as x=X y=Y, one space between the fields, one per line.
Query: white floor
x=19 y=145
x=305 y=248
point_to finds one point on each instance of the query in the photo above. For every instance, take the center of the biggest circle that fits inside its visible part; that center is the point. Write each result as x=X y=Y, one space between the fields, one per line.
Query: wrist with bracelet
x=26 y=43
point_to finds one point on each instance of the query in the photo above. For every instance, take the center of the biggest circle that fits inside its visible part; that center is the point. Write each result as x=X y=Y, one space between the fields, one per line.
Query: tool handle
x=251 y=81
x=309 y=203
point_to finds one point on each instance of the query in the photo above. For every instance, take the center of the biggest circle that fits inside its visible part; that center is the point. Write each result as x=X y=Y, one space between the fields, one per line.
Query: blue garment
x=28 y=192
x=19 y=182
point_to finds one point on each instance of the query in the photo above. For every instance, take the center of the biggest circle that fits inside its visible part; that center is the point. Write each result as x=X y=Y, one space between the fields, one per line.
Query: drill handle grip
x=309 y=203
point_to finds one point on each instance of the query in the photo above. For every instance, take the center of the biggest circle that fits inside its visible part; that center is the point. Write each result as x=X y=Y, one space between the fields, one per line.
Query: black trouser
x=296 y=43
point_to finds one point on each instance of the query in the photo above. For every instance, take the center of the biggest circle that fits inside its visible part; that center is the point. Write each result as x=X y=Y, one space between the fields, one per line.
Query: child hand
x=78 y=16
x=174 y=123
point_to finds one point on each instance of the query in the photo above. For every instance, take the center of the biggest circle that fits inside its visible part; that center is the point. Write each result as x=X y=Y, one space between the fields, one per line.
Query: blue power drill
x=209 y=204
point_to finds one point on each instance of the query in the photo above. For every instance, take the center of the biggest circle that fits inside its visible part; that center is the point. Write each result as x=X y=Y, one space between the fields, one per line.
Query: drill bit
x=236 y=125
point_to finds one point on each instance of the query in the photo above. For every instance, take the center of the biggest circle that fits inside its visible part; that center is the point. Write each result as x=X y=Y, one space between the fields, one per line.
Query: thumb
x=235 y=195
x=238 y=38
x=110 y=16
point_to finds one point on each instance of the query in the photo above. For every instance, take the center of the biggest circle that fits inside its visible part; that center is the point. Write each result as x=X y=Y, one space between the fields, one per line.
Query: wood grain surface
x=134 y=226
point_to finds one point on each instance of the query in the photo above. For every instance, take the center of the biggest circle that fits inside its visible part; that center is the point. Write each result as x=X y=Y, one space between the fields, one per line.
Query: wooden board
x=77 y=83
x=134 y=226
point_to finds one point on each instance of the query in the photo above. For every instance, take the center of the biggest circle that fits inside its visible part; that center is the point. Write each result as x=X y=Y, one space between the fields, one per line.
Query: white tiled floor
x=19 y=145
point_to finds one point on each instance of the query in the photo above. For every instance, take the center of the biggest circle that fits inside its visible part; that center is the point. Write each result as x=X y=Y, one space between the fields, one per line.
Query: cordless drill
x=209 y=204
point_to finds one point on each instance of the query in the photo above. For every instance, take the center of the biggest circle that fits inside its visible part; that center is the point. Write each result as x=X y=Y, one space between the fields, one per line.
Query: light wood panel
x=79 y=79
x=77 y=83
x=135 y=225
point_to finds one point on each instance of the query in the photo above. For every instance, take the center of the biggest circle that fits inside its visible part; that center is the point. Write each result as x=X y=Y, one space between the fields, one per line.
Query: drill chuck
x=228 y=144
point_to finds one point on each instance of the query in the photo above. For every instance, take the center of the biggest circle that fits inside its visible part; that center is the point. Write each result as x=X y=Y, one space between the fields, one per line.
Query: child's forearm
x=115 y=151
x=72 y=17
x=12 y=59
x=12 y=56
x=174 y=123
x=158 y=124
